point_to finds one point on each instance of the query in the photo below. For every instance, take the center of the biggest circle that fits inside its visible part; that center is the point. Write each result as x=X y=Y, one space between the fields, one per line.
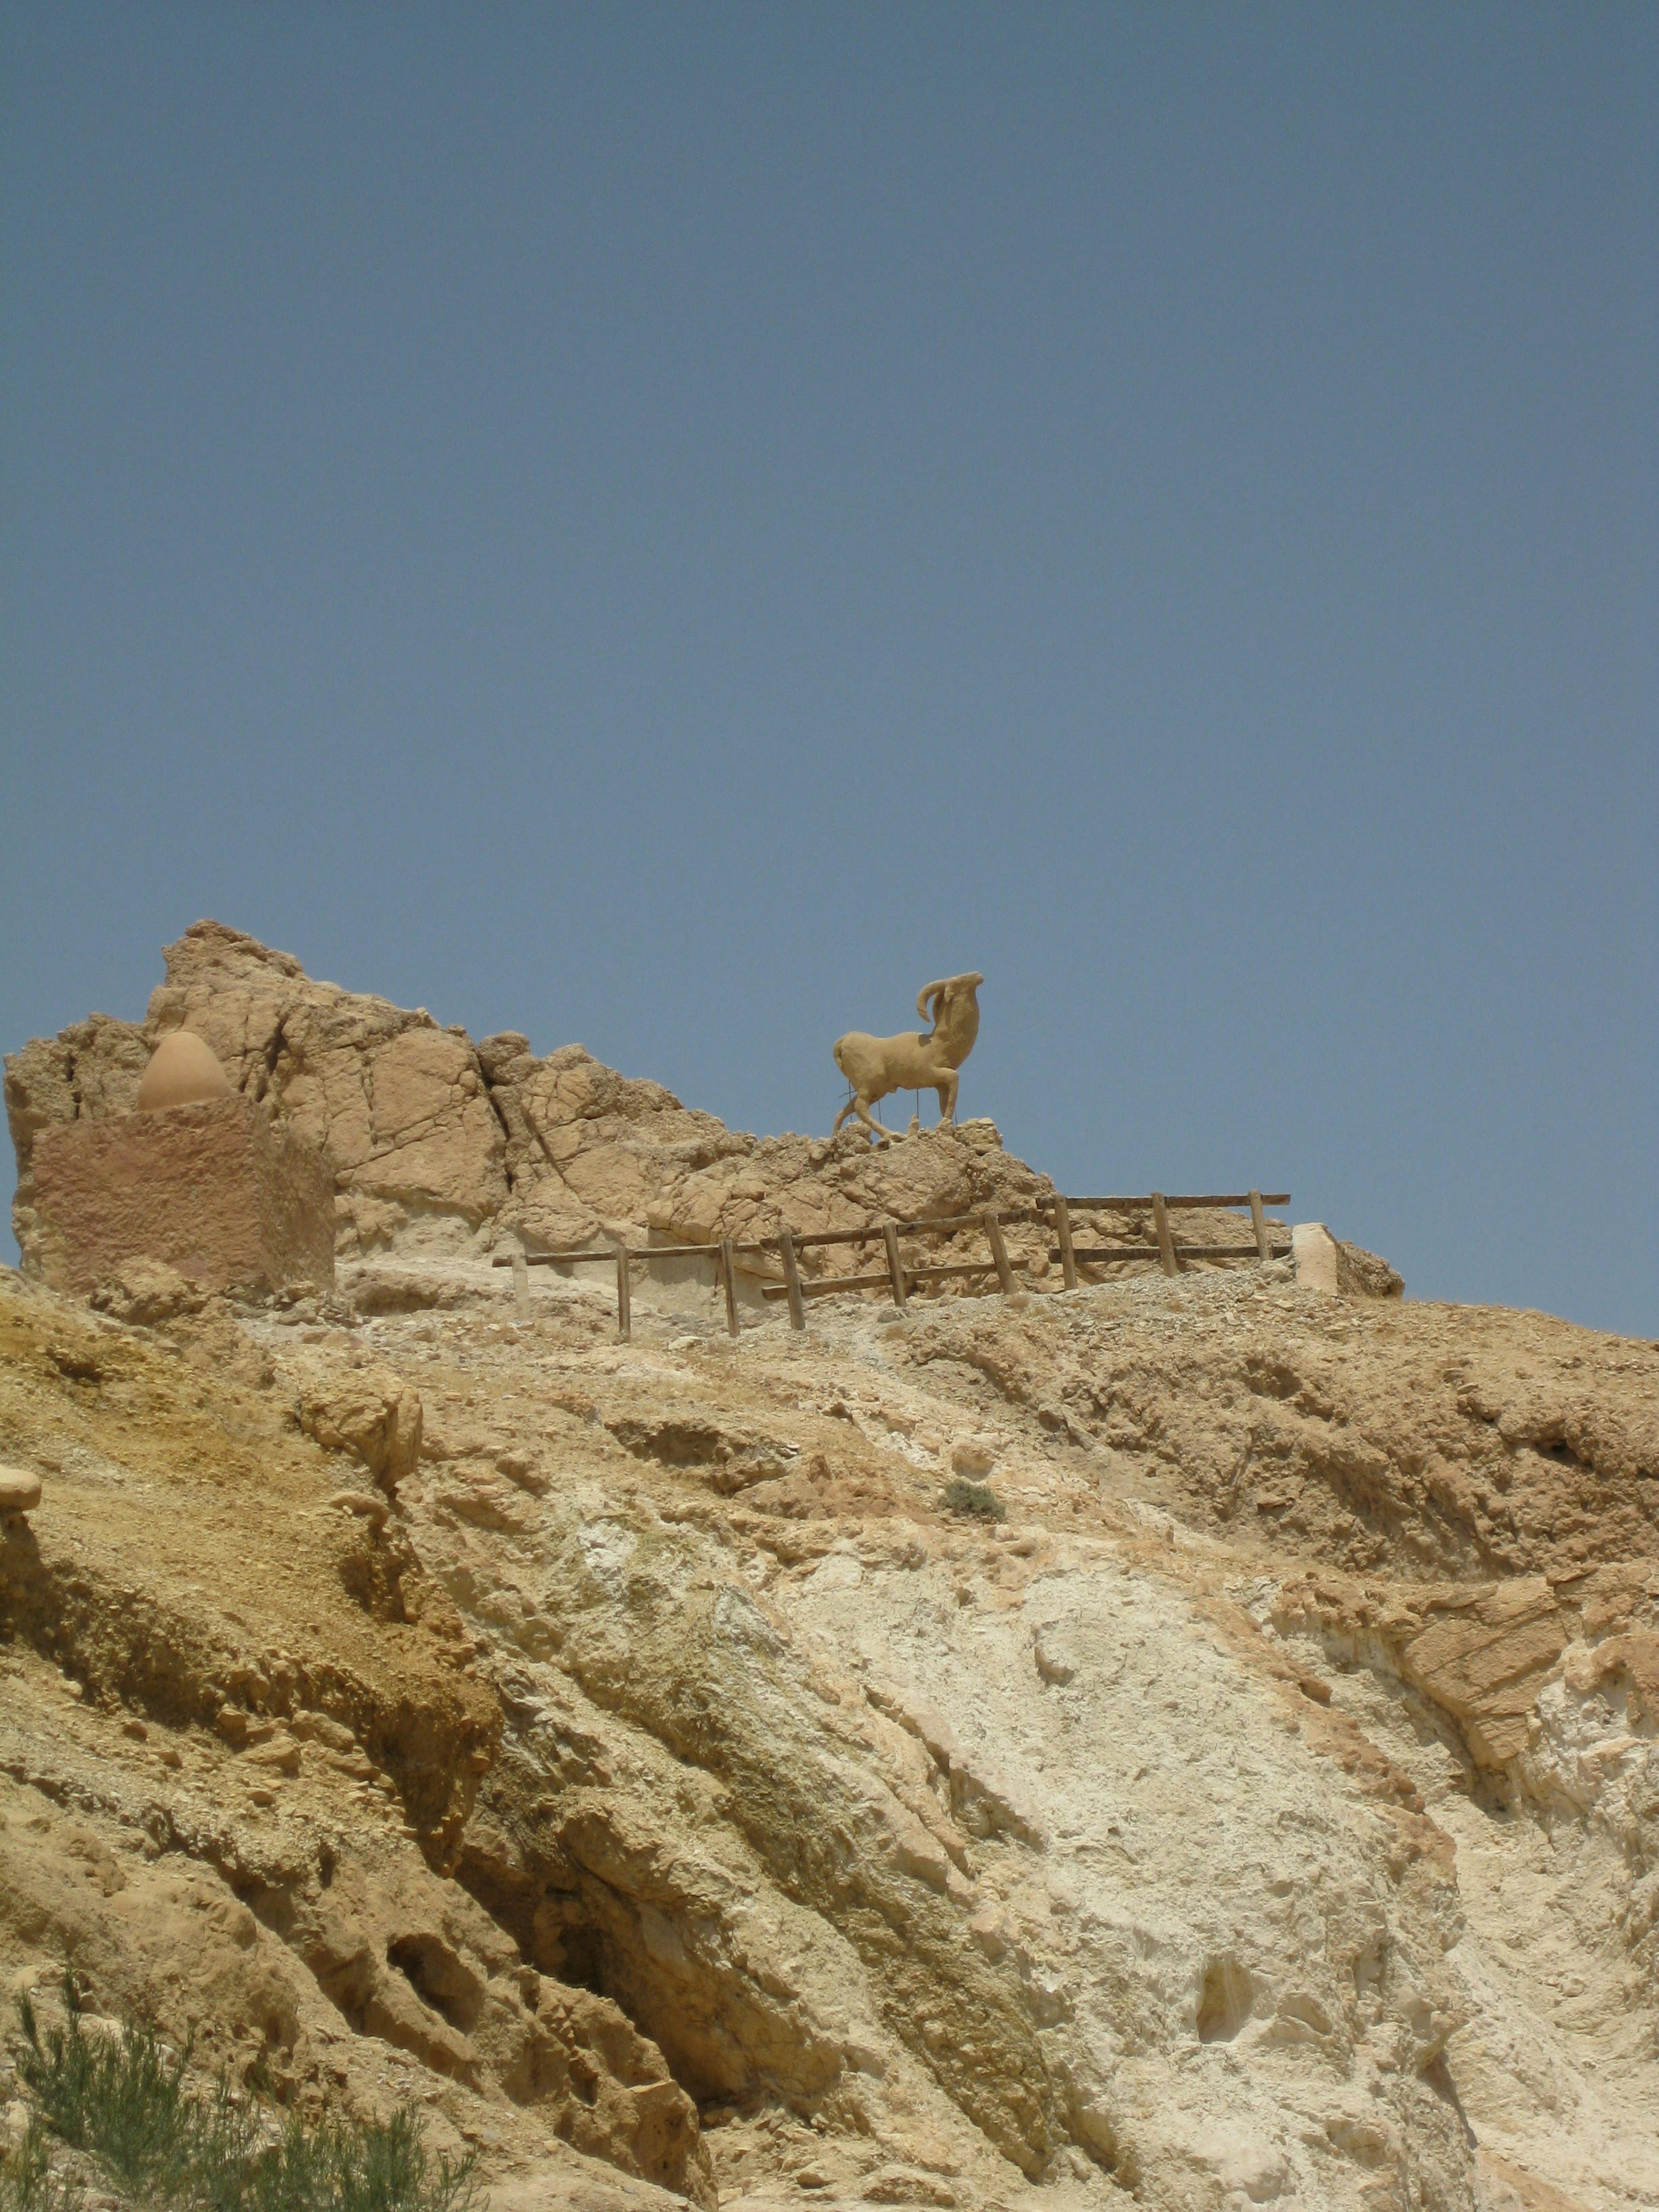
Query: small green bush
x=976 y=1499
x=27 y=2183
x=122 y=2104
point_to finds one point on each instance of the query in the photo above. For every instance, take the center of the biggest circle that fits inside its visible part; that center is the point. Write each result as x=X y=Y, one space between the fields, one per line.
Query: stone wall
x=213 y=1190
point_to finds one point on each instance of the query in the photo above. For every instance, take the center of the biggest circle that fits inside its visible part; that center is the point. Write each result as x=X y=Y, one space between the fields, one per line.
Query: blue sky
x=672 y=526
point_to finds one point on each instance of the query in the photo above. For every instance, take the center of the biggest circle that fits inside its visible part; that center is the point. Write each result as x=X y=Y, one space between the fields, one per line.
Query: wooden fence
x=898 y=1276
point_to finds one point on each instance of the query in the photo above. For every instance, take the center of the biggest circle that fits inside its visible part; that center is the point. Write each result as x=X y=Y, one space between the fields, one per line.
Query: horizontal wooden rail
x=821 y=1236
x=942 y=1225
x=556 y=1259
x=1102 y=1255
x=828 y=1283
x=1144 y=1205
x=636 y=1252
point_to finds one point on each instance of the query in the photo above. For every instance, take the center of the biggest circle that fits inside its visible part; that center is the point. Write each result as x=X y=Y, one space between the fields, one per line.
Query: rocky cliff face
x=630 y=1754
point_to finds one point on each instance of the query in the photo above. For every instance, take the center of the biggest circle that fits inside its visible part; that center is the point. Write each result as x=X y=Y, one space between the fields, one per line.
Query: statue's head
x=934 y=998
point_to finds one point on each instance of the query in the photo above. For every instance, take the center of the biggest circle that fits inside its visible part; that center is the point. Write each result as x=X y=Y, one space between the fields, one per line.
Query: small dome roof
x=183 y=1071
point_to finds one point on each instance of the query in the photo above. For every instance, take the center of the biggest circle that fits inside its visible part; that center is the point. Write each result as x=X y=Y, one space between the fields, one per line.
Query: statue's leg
x=881 y=1136
x=947 y=1099
x=842 y=1117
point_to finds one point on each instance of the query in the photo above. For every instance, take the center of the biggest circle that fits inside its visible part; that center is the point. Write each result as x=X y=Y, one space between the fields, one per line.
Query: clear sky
x=671 y=526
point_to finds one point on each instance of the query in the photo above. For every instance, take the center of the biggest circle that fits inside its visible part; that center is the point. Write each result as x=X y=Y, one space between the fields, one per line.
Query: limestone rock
x=368 y=1504
x=674 y=1782
x=395 y=1103
x=20 y=1490
x=1268 y=1812
x=622 y=2102
x=1363 y=1274
x=973 y=1457
x=979 y=1133
x=89 y=1070
x=1317 y=1261
x=1484 y=1656
x=143 y=1292
x=376 y=1418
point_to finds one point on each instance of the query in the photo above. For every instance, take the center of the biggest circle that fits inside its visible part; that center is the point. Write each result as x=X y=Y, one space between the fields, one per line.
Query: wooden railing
x=899 y=1277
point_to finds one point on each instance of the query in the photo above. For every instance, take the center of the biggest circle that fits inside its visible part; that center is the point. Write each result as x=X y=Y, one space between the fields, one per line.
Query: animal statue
x=877 y=1067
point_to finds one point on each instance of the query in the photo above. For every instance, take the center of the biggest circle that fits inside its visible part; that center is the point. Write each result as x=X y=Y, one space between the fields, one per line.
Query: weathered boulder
x=143 y=1292
x=20 y=1490
x=1484 y=1656
x=91 y=1069
x=396 y=1104
x=375 y=1418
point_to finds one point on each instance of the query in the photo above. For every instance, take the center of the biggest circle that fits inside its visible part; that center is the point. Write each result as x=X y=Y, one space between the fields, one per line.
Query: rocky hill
x=640 y=1758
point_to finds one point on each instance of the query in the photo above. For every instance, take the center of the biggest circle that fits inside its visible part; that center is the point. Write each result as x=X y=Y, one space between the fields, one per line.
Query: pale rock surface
x=20 y=1490
x=1314 y=1254
x=145 y=1292
x=375 y=1417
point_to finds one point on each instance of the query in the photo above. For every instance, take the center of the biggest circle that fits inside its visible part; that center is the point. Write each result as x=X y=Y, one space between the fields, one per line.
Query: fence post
x=520 y=1285
x=895 y=1271
x=729 y=1270
x=1166 y=1250
x=792 y=1278
x=1000 y=1252
x=624 y=1305
x=1263 y=1242
x=1067 y=1257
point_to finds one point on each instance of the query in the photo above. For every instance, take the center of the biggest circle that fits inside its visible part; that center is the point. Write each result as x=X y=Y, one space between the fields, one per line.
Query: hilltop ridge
x=443 y=1144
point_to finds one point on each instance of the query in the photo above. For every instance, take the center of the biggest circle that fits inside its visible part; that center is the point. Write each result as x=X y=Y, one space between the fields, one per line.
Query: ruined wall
x=210 y=1190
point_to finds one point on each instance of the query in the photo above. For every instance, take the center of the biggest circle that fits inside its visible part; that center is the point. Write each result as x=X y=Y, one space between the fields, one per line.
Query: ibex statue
x=877 y=1067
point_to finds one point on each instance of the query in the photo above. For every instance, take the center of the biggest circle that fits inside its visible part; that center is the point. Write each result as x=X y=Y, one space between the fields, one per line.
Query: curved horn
x=927 y=992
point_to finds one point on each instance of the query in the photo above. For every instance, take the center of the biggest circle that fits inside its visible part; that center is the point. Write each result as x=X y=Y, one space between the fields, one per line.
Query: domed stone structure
x=198 y=1178
x=183 y=1071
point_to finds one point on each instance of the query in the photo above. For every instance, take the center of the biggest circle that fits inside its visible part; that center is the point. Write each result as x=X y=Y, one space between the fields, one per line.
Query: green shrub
x=122 y=2104
x=974 y=1499
x=27 y=2183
